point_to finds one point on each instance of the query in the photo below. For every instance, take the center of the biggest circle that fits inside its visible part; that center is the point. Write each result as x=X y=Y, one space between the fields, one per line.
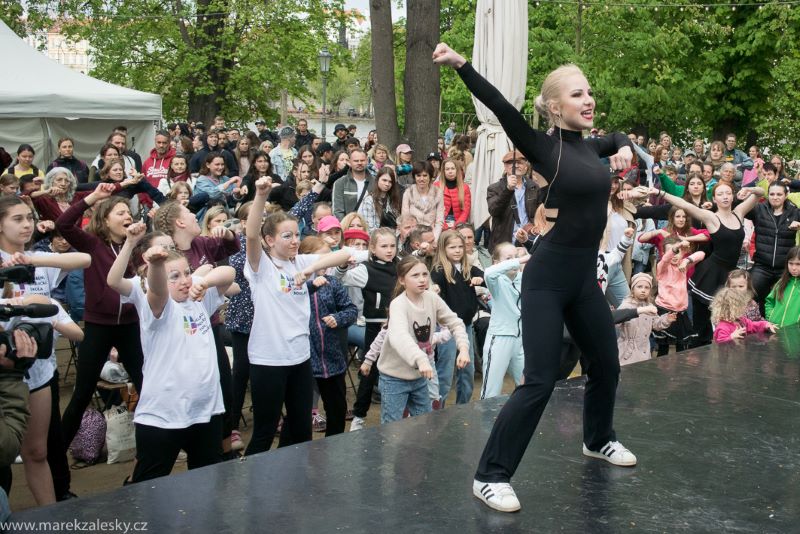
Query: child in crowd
x=215 y=216
x=740 y=280
x=404 y=363
x=456 y=279
x=673 y=295
x=376 y=278
x=9 y=185
x=331 y=310
x=633 y=340
x=782 y=306
x=502 y=351
x=442 y=335
x=727 y=314
x=180 y=404
x=329 y=229
x=279 y=349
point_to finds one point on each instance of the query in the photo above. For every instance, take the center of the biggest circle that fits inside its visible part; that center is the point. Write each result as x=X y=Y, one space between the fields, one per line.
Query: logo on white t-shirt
x=286 y=285
x=189 y=325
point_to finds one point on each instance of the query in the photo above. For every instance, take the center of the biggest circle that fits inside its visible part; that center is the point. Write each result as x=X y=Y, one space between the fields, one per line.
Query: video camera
x=42 y=333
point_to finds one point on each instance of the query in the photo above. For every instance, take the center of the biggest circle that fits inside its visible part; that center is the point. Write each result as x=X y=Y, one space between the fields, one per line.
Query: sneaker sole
x=601 y=456
x=481 y=498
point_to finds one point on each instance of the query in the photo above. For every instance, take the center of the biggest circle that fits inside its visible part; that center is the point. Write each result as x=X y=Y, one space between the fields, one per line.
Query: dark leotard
x=580 y=190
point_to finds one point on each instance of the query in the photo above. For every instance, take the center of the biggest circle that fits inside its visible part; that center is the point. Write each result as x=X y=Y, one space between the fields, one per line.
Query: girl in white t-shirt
x=180 y=405
x=38 y=378
x=279 y=349
x=16 y=230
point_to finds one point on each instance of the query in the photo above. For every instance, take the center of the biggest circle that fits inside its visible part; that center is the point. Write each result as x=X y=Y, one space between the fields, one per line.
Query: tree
x=204 y=57
x=383 y=78
x=421 y=79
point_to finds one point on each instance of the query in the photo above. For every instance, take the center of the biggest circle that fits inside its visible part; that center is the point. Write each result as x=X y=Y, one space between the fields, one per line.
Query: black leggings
x=240 y=375
x=272 y=387
x=56 y=450
x=367 y=383
x=559 y=288
x=763 y=278
x=701 y=320
x=93 y=354
x=333 y=391
x=224 y=365
x=158 y=448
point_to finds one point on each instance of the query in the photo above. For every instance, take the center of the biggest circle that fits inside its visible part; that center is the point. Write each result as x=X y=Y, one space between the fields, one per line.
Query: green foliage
x=690 y=71
x=241 y=52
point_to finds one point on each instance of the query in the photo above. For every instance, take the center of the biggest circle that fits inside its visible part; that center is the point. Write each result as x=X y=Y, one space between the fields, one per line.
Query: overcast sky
x=363 y=6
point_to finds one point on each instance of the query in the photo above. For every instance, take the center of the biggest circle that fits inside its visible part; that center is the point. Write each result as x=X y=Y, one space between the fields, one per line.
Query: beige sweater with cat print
x=408 y=337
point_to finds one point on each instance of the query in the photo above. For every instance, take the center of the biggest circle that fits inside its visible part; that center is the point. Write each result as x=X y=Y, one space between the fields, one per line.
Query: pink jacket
x=672 y=292
x=724 y=329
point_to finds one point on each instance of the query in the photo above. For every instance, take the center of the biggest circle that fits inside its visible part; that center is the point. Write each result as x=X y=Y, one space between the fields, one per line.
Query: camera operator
x=13 y=412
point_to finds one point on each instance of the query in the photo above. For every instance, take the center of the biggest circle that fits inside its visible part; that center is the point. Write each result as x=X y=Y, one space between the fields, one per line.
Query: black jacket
x=773 y=237
x=200 y=156
x=301 y=140
x=460 y=296
x=76 y=166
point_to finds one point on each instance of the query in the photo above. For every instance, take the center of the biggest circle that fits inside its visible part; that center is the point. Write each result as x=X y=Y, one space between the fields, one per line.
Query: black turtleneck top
x=580 y=189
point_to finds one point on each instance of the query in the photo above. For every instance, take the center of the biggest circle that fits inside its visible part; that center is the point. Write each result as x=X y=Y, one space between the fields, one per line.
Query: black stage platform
x=715 y=430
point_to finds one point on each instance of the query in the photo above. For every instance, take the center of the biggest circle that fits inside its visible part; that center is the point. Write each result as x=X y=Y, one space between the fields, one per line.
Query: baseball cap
x=690 y=152
x=327 y=223
x=434 y=155
x=259 y=121
x=286 y=132
x=338 y=127
x=404 y=148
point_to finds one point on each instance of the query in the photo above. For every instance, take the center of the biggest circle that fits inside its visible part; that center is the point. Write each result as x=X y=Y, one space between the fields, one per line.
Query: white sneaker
x=497 y=495
x=18 y=460
x=182 y=456
x=613 y=452
x=356 y=424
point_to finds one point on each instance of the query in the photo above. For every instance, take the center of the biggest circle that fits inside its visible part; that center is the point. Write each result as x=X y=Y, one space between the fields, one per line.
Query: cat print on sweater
x=423 y=335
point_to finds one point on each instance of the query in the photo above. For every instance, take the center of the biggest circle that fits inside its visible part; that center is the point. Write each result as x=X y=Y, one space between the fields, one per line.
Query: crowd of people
x=298 y=253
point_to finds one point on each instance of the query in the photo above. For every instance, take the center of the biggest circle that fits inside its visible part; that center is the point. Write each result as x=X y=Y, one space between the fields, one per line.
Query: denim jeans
x=446 y=363
x=397 y=394
x=5 y=508
x=355 y=336
x=618 y=287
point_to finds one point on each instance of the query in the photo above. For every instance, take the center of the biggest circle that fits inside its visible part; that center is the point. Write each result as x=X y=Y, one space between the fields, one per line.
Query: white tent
x=42 y=100
x=500 y=54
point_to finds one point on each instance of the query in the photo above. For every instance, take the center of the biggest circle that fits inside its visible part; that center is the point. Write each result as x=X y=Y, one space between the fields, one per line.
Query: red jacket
x=155 y=168
x=451 y=203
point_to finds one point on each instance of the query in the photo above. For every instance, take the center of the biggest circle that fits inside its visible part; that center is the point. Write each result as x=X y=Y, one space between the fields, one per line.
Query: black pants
x=272 y=387
x=559 y=288
x=763 y=278
x=97 y=343
x=333 y=391
x=701 y=320
x=367 y=383
x=225 y=380
x=240 y=375
x=158 y=448
x=56 y=450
